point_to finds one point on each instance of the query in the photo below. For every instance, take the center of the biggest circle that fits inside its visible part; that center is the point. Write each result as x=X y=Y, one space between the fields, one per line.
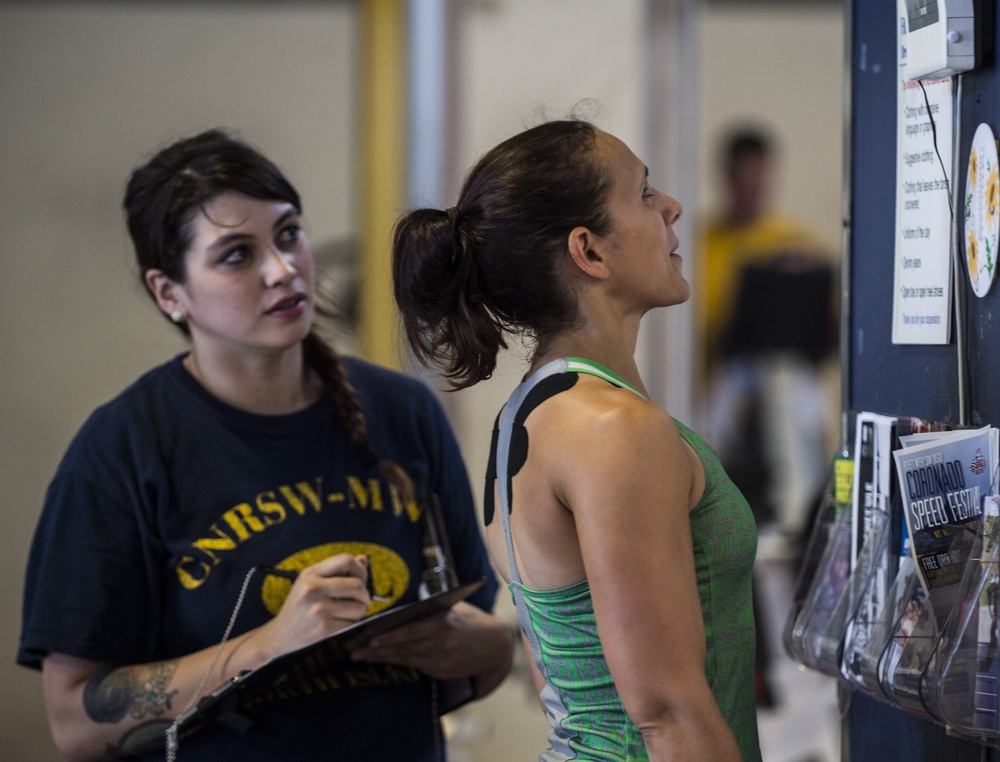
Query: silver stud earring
x=177 y=316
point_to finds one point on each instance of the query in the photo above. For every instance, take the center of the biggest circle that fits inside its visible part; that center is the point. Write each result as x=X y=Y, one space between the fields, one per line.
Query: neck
x=614 y=350
x=266 y=384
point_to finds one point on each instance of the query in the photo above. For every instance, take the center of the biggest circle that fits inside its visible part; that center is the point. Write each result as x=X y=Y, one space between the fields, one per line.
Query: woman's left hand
x=464 y=641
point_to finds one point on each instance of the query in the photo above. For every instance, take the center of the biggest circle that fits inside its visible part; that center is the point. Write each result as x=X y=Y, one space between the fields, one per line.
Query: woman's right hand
x=325 y=598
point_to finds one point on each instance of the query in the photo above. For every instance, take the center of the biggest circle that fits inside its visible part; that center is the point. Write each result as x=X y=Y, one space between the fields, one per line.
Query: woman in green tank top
x=627 y=549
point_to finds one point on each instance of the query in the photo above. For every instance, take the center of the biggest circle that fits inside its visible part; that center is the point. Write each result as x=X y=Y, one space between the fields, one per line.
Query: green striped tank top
x=586 y=717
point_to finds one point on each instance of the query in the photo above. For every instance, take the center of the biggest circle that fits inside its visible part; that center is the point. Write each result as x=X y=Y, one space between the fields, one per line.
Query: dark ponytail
x=436 y=283
x=465 y=278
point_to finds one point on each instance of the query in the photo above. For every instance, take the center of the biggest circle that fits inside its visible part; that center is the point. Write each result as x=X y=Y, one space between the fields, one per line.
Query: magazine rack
x=913 y=621
x=817 y=633
x=936 y=656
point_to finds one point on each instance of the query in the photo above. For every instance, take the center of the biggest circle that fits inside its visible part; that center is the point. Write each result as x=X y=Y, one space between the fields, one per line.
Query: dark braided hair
x=161 y=200
x=319 y=356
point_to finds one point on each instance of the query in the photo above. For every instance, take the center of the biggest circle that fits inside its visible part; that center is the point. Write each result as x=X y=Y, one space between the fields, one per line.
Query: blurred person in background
x=767 y=311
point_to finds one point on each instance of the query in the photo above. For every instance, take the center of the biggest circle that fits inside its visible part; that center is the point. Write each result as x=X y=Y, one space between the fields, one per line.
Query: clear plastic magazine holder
x=962 y=682
x=824 y=566
x=901 y=643
x=871 y=584
x=817 y=635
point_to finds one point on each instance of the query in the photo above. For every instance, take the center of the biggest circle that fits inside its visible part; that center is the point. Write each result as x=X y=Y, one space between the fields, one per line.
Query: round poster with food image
x=982 y=210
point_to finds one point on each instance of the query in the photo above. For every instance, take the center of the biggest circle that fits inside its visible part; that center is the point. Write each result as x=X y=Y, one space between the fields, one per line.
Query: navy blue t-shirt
x=167 y=497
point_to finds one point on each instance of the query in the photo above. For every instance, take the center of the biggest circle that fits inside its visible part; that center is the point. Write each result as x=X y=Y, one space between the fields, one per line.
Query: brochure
x=943 y=480
x=872 y=506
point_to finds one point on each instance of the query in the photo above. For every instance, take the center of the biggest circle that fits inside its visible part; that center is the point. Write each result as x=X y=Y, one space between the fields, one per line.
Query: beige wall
x=88 y=89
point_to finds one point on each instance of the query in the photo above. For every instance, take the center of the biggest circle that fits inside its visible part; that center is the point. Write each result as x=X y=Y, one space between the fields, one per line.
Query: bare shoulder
x=599 y=431
x=595 y=415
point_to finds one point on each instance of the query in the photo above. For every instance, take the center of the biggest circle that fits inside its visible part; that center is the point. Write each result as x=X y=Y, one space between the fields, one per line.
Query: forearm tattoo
x=115 y=694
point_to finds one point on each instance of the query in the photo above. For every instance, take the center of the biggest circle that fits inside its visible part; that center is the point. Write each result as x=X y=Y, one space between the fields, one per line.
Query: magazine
x=872 y=487
x=943 y=478
x=872 y=507
x=942 y=510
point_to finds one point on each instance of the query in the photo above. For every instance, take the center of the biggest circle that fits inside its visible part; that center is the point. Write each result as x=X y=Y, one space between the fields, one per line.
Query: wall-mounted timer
x=939 y=37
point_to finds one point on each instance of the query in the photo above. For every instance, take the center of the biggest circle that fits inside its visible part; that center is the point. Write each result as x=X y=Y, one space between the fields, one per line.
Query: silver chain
x=171 y=732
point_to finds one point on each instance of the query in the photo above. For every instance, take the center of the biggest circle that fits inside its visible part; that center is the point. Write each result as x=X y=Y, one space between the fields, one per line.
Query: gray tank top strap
x=503 y=454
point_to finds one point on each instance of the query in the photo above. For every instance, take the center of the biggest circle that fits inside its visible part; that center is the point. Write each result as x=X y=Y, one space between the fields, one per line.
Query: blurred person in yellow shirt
x=768 y=317
x=747 y=231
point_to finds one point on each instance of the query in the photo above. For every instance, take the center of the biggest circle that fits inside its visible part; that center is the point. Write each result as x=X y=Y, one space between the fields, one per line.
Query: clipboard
x=224 y=704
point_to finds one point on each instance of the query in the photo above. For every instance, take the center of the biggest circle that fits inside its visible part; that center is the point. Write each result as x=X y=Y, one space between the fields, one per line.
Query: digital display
x=921 y=13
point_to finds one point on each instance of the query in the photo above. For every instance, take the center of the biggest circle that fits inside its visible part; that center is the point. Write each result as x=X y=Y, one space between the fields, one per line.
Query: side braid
x=322 y=358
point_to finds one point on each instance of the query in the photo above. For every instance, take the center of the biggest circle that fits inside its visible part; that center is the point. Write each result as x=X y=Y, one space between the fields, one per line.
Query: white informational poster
x=921 y=298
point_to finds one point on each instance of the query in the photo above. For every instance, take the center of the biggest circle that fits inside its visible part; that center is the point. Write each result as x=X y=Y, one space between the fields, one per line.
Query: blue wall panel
x=908 y=380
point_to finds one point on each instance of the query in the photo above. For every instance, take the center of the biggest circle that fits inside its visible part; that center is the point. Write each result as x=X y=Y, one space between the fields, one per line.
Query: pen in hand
x=370 y=584
x=274 y=571
x=291 y=575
